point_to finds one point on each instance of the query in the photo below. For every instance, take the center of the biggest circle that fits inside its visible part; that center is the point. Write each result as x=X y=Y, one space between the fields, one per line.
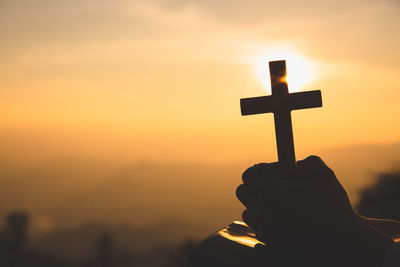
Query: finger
x=250 y=219
x=272 y=171
x=260 y=172
x=241 y=194
x=245 y=196
x=267 y=169
x=250 y=177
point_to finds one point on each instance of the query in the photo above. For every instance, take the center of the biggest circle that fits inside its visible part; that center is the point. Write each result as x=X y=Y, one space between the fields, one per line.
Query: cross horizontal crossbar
x=275 y=103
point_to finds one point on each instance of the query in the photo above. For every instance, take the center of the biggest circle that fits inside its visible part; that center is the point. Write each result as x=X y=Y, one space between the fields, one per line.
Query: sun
x=300 y=71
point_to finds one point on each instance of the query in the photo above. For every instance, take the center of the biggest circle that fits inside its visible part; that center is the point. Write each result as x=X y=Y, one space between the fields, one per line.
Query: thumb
x=314 y=166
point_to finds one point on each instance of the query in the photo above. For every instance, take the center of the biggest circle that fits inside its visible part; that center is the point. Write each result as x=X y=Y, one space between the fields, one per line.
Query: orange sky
x=161 y=80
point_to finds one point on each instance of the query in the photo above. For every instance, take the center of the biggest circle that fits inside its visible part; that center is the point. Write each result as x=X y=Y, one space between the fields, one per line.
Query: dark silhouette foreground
x=305 y=213
x=302 y=217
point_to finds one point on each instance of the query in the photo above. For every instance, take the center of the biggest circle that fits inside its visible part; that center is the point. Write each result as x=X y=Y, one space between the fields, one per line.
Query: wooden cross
x=281 y=103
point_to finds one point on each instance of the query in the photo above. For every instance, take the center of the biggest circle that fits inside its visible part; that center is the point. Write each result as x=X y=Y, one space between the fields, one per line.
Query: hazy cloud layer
x=64 y=192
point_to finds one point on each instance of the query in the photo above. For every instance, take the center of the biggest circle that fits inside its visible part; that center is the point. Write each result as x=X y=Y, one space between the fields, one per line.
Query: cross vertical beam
x=282 y=116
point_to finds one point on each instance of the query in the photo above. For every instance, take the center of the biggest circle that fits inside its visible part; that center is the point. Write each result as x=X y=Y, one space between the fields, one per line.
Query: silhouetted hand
x=305 y=211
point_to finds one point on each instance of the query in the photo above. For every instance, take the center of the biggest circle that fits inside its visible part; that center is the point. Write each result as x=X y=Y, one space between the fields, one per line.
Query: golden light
x=299 y=70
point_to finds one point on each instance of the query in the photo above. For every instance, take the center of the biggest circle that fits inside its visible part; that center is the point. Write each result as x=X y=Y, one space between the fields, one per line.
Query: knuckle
x=240 y=191
x=313 y=162
x=248 y=174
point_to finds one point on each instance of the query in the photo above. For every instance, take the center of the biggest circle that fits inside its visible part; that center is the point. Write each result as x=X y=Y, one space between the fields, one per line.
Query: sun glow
x=299 y=70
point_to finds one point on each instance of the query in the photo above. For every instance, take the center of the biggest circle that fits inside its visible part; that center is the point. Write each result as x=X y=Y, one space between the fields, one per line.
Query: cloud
x=251 y=11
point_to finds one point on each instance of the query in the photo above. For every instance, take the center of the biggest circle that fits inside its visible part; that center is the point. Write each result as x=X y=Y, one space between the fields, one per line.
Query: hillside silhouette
x=92 y=245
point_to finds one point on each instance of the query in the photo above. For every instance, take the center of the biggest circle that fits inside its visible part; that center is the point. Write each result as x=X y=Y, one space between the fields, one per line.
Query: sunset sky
x=161 y=80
